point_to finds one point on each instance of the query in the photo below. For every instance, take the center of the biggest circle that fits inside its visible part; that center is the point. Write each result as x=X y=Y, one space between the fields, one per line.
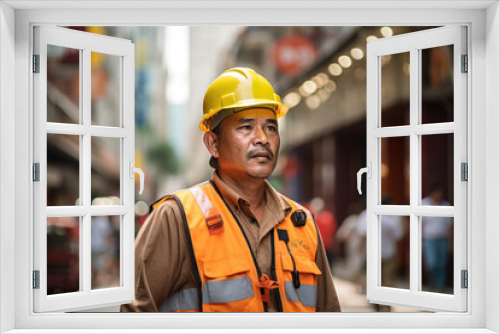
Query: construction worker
x=233 y=244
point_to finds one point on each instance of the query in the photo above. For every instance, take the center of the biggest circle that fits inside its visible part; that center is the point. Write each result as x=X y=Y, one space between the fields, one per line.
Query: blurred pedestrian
x=435 y=233
x=391 y=230
x=102 y=249
x=327 y=225
x=355 y=250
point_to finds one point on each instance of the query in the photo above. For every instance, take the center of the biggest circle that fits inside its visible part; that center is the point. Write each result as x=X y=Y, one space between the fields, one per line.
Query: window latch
x=134 y=170
x=368 y=171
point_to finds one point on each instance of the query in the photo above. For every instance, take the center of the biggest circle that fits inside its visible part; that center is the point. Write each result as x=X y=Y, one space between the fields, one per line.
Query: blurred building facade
x=321 y=73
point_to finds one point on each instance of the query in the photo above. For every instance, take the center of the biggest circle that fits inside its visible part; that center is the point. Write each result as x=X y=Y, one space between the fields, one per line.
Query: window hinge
x=36 y=63
x=36 y=172
x=36 y=279
x=465 y=64
x=464 y=172
x=465 y=279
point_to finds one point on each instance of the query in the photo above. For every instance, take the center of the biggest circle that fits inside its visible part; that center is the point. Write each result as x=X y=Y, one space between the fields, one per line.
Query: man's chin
x=259 y=174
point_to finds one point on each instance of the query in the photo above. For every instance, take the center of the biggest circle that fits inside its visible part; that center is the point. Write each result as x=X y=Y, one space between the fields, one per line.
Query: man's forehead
x=254 y=113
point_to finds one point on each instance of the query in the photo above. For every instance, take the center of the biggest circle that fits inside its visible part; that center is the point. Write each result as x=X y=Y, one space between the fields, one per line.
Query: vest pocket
x=306 y=294
x=226 y=282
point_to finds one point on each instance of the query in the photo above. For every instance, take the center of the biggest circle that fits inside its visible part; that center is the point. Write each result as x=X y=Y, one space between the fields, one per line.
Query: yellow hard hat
x=237 y=89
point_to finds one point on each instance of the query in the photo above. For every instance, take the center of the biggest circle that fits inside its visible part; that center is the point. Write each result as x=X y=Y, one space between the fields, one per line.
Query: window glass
x=395 y=170
x=105 y=176
x=437 y=254
x=106 y=76
x=437 y=169
x=63 y=170
x=395 y=89
x=105 y=246
x=394 y=251
x=63 y=84
x=63 y=254
x=437 y=84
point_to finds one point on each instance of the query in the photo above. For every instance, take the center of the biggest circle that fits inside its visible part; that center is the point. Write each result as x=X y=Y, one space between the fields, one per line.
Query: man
x=233 y=244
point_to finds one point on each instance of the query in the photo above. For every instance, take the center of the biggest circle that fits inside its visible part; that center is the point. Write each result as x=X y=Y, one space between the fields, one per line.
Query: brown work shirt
x=162 y=257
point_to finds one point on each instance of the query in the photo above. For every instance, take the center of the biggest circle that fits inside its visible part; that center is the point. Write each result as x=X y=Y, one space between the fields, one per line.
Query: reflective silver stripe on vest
x=306 y=294
x=227 y=291
x=184 y=300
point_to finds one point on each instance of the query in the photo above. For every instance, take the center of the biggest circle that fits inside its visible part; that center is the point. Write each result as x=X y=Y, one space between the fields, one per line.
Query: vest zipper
x=259 y=272
x=273 y=273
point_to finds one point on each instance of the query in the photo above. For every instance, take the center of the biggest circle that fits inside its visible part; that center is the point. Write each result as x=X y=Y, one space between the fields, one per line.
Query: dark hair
x=214 y=162
x=436 y=186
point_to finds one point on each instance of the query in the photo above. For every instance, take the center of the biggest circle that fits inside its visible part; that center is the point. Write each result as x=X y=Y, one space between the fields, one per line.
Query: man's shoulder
x=169 y=202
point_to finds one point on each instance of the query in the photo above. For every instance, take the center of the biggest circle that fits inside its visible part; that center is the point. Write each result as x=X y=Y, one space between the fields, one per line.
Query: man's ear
x=212 y=143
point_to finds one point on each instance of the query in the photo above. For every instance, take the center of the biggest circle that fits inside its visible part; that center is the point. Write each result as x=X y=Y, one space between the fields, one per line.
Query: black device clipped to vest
x=283 y=236
x=299 y=218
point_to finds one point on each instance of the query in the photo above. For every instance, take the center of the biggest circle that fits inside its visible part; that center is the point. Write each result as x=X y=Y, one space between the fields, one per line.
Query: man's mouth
x=261 y=154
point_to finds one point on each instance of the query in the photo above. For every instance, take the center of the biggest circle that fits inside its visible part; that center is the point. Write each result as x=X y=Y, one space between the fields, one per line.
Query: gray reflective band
x=184 y=300
x=227 y=291
x=306 y=294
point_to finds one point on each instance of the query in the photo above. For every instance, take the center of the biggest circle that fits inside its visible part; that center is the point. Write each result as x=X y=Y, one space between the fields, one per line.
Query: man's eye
x=271 y=128
x=245 y=127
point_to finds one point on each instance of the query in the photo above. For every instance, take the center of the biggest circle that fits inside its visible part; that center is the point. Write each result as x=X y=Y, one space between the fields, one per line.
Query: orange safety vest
x=228 y=276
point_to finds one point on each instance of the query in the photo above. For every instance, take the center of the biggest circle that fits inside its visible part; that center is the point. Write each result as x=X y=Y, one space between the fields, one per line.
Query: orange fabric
x=226 y=255
x=267 y=284
x=303 y=243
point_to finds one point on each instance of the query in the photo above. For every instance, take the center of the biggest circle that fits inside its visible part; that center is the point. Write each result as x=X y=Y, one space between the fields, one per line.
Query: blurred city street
x=352 y=296
x=320 y=74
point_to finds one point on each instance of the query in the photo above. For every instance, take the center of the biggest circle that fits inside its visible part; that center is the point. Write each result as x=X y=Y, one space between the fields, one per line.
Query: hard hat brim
x=279 y=109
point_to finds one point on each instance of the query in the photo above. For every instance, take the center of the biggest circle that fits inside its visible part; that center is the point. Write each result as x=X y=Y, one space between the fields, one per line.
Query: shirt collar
x=276 y=202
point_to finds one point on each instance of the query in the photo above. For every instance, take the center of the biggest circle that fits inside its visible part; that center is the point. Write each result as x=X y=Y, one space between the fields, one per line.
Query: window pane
x=437 y=169
x=106 y=76
x=395 y=251
x=105 y=245
x=437 y=84
x=63 y=249
x=395 y=170
x=63 y=84
x=437 y=254
x=63 y=169
x=105 y=170
x=395 y=91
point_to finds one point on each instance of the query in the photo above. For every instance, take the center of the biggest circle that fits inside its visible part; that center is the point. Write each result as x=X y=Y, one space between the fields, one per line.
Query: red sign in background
x=292 y=54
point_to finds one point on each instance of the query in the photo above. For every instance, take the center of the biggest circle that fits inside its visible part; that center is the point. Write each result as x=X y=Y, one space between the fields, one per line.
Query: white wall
x=7 y=159
x=492 y=162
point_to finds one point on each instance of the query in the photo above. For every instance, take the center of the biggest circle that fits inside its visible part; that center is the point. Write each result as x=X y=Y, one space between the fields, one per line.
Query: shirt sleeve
x=161 y=262
x=327 y=299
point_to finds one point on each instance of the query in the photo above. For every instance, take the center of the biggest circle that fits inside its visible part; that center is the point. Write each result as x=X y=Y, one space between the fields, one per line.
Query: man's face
x=249 y=143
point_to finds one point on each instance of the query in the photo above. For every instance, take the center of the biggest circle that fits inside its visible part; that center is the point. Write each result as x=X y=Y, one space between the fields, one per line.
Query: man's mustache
x=266 y=149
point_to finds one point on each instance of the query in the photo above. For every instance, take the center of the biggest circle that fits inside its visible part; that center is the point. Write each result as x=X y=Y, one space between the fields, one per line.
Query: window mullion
x=86 y=169
x=415 y=171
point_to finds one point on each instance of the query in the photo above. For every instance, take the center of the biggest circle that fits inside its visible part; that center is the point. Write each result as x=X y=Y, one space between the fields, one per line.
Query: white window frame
x=414 y=43
x=124 y=51
x=16 y=21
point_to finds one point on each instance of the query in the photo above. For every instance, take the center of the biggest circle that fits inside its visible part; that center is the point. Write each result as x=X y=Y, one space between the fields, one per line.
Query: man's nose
x=260 y=136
